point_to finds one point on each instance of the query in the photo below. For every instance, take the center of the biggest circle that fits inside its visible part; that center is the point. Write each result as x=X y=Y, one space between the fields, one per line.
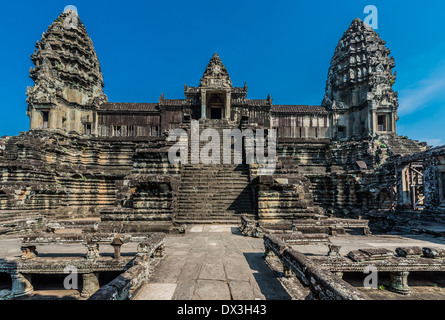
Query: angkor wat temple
x=87 y=157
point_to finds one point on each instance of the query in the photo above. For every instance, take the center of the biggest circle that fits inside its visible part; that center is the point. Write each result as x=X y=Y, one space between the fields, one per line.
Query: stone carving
x=92 y=251
x=216 y=75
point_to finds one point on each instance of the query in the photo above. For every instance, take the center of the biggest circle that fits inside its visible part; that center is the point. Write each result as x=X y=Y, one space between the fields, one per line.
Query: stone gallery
x=91 y=173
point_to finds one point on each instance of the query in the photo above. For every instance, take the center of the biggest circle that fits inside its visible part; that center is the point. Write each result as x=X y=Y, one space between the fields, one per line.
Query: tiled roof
x=259 y=103
x=298 y=109
x=127 y=106
x=173 y=102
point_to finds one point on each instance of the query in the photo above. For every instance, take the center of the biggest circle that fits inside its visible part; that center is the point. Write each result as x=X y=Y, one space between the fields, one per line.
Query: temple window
x=341 y=132
x=45 y=119
x=88 y=128
x=117 y=131
x=130 y=131
x=383 y=123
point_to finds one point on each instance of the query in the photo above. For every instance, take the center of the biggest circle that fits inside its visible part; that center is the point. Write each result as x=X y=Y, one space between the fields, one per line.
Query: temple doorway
x=215 y=105
x=215 y=113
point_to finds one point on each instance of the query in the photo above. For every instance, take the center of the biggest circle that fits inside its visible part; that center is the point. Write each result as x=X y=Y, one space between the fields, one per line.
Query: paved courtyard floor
x=213 y=263
x=217 y=262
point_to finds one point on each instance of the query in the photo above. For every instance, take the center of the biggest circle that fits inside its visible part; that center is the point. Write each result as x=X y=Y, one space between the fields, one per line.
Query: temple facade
x=68 y=94
x=87 y=157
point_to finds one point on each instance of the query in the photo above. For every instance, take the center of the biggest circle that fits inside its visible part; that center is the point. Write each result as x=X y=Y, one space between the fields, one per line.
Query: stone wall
x=323 y=284
x=71 y=176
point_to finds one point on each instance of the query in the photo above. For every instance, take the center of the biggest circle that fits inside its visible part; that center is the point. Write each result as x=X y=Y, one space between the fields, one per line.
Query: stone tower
x=215 y=88
x=68 y=82
x=359 y=90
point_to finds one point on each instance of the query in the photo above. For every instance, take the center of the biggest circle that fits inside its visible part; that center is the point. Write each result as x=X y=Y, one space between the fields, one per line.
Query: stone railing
x=323 y=284
x=320 y=225
x=91 y=241
x=125 y=285
x=136 y=269
x=251 y=228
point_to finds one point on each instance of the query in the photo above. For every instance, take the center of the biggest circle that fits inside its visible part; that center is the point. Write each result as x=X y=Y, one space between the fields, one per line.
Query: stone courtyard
x=218 y=262
x=214 y=262
x=122 y=193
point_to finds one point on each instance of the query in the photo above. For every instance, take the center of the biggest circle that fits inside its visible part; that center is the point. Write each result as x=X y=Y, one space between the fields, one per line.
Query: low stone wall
x=323 y=284
x=123 y=286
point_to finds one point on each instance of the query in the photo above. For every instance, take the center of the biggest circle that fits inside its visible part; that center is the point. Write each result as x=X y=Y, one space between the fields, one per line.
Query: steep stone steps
x=214 y=193
x=404 y=146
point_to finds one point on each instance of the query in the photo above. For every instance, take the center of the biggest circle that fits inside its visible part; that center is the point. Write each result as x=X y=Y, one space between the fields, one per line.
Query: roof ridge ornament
x=216 y=75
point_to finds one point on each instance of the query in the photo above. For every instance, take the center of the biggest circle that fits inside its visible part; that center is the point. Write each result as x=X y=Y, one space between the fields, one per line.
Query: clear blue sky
x=279 y=47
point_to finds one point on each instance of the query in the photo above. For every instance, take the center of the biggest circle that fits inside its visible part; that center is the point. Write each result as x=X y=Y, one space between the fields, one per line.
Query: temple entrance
x=215 y=105
x=215 y=113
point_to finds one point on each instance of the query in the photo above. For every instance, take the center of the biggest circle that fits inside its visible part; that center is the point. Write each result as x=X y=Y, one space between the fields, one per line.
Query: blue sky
x=279 y=47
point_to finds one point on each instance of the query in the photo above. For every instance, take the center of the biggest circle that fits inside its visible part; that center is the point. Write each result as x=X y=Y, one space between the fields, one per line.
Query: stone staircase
x=404 y=146
x=19 y=222
x=214 y=193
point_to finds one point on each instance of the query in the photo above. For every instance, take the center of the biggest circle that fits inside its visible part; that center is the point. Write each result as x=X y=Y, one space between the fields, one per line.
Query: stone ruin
x=99 y=166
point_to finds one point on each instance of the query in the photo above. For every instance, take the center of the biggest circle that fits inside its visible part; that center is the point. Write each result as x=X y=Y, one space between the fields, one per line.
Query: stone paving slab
x=215 y=262
x=211 y=290
x=157 y=291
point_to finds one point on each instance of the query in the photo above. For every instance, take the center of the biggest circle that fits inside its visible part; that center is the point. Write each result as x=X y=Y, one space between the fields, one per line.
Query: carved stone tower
x=359 y=90
x=68 y=83
x=215 y=88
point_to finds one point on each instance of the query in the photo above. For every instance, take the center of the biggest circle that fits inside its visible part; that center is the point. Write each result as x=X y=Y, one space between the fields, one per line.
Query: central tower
x=215 y=89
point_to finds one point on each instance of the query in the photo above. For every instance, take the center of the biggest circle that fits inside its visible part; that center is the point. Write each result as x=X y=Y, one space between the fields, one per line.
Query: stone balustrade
x=323 y=284
x=139 y=267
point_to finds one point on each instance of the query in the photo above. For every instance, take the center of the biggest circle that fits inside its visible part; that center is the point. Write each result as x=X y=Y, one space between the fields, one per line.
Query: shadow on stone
x=269 y=285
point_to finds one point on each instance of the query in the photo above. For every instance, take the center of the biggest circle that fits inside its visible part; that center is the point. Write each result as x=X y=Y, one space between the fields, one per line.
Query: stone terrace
x=213 y=262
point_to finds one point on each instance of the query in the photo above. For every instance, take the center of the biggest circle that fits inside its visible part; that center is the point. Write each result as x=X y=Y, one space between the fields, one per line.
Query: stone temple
x=102 y=169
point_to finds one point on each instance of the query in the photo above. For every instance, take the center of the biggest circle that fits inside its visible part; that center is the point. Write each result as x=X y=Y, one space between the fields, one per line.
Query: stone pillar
x=92 y=251
x=334 y=250
x=90 y=284
x=366 y=231
x=28 y=252
x=228 y=106
x=35 y=119
x=117 y=244
x=399 y=282
x=21 y=284
x=203 y=105
x=401 y=194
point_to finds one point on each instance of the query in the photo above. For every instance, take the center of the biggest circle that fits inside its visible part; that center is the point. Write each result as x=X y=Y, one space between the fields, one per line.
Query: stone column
x=203 y=105
x=228 y=106
x=90 y=284
x=21 y=284
x=399 y=282
x=28 y=252
x=92 y=251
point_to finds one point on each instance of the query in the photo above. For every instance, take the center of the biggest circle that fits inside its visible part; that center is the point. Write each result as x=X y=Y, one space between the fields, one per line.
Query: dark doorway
x=382 y=123
x=216 y=113
x=45 y=118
